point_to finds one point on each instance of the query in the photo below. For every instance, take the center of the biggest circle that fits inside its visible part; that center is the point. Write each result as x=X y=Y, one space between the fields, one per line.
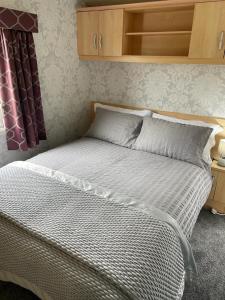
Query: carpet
x=208 y=243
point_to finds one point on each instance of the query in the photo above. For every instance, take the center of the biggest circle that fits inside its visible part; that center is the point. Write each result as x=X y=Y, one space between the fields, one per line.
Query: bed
x=151 y=205
x=126 y=173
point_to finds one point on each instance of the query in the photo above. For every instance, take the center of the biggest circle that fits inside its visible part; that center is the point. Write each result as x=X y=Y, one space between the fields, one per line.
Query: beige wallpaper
x=197 y=89
x=68 y=84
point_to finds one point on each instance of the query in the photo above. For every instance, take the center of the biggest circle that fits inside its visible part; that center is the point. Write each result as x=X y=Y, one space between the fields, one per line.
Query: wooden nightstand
x=217 y=196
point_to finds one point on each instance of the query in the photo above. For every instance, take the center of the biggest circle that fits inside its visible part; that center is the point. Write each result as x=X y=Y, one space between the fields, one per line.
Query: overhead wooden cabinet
x=208 y=32
x=87 y=34
x=100 y=32
x=110 y=32
x=169 y=31
x=158 y=32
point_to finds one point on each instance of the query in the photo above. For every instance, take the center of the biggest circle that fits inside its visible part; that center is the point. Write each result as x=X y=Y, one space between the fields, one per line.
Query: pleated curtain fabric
x=20 y=92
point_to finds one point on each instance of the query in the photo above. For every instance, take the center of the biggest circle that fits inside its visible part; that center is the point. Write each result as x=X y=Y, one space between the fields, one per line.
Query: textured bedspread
x=175 y=187
x=97 y=246
x=89 y=226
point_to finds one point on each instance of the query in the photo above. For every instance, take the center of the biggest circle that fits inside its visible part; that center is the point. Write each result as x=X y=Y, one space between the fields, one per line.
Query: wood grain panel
x=219 y=195
x=168 y=20
x=165 y=32
x=87 y=33
x=212 y=193
x=159 y=33
x=209 y=22
x=154 y=59
x=145 y=5
x=131 y=23
x=111 y=32
x=216 y=198
x=162 y=33
x=165 y=45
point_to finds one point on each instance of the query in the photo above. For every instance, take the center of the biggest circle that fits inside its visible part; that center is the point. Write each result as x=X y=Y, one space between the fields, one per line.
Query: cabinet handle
x=95 y=41
x=100 y=41
x=221 y=41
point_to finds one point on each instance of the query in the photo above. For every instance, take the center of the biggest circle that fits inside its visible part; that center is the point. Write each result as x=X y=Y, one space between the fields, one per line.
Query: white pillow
x=136 y=112
x=206 y=156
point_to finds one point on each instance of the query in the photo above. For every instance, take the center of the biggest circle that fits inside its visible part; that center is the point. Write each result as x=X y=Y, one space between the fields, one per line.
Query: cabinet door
x=215 y=177
x=208 y=31
x=87 y=33
x=110 y=32
x=220 y=189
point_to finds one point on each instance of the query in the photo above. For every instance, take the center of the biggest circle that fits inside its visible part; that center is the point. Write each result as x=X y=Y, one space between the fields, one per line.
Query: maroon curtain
x=20 y=90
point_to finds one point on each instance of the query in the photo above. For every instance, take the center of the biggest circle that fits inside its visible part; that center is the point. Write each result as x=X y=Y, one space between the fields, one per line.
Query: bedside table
x=217 y=196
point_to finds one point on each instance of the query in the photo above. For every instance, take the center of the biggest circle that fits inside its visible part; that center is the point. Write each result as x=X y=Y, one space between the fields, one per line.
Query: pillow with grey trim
x=174 y=140
x=115 y=127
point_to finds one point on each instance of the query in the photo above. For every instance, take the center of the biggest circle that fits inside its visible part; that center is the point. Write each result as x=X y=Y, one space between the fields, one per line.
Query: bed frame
x=207 y=119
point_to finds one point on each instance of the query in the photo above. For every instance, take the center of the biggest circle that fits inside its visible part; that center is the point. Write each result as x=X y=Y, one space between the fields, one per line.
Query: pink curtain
x=20 y=90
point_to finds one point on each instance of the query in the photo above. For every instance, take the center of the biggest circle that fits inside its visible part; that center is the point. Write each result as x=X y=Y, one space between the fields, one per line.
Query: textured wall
x=197 y=89
x=64 y=80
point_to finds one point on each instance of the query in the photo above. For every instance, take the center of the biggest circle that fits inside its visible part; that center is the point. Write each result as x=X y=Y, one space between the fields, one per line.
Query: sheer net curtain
x=19 y=85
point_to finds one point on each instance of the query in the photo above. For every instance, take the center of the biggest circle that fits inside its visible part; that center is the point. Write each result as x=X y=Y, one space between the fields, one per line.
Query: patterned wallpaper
x=68 y=84
x=197 y=89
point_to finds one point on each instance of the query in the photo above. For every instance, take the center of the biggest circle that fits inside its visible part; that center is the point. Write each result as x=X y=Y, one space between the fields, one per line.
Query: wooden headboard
x=207 y=119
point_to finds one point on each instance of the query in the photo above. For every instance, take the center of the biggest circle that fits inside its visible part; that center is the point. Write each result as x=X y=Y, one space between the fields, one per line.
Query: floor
x=208 y=242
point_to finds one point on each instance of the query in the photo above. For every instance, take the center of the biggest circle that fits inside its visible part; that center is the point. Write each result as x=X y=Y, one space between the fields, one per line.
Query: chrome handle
x=221 y=41
x=95 y=41
x=100 y=41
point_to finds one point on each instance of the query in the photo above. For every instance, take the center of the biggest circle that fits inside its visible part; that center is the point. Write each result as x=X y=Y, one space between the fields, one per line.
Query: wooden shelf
x=185 y=32
x=158 y=32
x=169 y=31
x=153 y=59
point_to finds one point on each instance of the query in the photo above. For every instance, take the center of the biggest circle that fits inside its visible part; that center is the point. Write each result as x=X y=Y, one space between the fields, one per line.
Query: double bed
x=95 y=220
x=175 y=187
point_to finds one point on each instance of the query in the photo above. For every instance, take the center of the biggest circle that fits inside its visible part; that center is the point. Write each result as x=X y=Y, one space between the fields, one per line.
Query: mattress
x=173 y=186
